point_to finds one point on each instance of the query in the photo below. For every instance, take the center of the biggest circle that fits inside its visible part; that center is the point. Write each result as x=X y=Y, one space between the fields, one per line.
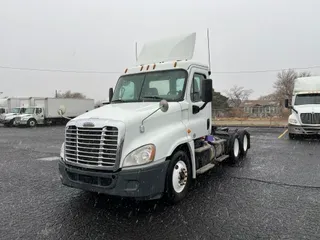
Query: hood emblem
x=88 y=124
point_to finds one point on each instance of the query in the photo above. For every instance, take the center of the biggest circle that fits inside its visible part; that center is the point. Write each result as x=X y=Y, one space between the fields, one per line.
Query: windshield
x=151 y=86
x=18 y=110
x=305 y=99
x=29 y=111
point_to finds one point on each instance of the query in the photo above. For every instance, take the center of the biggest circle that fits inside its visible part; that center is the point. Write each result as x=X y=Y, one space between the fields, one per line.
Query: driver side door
x=39 y=115
x=200 y=122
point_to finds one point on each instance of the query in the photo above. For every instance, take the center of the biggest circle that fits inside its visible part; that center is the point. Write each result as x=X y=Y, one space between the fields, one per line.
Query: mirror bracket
x=163 y=106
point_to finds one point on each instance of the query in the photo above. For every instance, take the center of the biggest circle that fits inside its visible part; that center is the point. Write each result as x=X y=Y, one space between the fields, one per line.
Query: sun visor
x=171 y=49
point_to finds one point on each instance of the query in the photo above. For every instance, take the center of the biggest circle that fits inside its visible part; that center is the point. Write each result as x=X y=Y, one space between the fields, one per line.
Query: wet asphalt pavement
x=273 y=194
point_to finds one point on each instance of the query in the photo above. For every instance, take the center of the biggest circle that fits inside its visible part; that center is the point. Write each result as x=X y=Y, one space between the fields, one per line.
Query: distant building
x=261 y=108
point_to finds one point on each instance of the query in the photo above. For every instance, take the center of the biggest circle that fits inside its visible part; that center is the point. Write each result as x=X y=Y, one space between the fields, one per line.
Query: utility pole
x=56 y=93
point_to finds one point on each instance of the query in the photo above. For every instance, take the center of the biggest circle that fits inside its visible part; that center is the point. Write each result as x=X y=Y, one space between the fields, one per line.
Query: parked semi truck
x=305 y=106
x=44 y=111
x=155 y=135
x=13 y=107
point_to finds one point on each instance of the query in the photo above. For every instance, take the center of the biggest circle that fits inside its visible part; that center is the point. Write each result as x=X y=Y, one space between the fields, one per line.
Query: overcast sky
x=99 y=35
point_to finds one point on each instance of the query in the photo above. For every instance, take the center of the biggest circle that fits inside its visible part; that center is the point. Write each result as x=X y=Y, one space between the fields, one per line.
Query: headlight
x=293 y=121
x=142 y=155
x=62 y=151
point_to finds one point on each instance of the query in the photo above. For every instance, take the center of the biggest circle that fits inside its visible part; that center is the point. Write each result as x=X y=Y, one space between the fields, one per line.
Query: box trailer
x=48 y=111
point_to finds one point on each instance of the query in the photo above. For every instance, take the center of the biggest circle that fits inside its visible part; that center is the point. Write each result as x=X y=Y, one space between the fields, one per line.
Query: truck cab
x=154 y=136
x=32 y=116
x=305 y=107
x=9 y=119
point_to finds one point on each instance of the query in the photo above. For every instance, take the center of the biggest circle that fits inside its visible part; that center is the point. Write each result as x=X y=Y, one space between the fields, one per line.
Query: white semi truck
x=156 y=135
x=13 y=107
x=305 y=106
x=45 y=111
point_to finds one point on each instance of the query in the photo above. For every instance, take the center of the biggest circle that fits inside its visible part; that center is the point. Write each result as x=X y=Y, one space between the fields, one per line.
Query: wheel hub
x=179 y=176
x=183 y=174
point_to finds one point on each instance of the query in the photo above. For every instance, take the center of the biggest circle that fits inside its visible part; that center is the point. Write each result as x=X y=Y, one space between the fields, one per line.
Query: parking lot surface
x=273 y=194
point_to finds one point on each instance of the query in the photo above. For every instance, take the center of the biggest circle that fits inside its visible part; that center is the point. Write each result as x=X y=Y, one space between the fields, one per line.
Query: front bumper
x=145 y=183
x=303 y=129
x=21 y=122
x=5 y=121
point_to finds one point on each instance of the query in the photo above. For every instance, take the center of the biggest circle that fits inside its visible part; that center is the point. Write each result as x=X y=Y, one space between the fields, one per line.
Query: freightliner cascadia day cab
x=155 y=136
x=305 y=106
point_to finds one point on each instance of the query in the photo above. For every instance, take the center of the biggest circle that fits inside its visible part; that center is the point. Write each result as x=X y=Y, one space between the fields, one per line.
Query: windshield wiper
x=152 y=97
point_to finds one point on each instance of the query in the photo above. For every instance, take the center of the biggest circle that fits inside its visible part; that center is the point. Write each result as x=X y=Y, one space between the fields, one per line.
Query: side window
x=161 y=87
x=195 y=92
x=38 y=111
x=127 y=91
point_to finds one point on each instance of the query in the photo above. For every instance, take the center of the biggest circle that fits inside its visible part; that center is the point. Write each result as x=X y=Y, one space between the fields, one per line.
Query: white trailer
x=12 y=107
x=305 y=106
x=47 y=111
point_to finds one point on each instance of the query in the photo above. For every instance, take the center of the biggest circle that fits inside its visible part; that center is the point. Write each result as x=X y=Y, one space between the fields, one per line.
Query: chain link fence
x=259 y=116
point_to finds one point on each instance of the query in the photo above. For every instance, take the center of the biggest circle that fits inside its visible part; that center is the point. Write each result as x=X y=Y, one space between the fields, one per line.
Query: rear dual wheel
x=239 y=143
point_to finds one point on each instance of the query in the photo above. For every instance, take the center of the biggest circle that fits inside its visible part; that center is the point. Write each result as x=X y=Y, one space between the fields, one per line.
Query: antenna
x=136 y=51
x=209 y=55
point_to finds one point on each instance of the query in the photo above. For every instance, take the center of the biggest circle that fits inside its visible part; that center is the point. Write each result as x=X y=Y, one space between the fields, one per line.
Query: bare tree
x=237 y=95
x=285 y=84
x=69 y=94
x=269 y=97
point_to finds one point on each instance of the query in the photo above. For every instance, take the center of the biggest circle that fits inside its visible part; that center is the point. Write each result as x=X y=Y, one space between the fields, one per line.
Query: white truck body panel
x=171 y=49
x=74 y=107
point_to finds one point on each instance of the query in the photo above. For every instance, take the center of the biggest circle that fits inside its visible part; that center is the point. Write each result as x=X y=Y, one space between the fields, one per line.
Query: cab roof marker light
x=175 y=64
x=125 y=71
x=154 y=66
x=148 y=67
x=141 y=68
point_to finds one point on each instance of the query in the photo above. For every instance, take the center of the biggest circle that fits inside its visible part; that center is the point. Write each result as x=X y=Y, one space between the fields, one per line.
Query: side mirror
x=286 y=103
x=110 y=94
x=164 y=105
x=206 y=90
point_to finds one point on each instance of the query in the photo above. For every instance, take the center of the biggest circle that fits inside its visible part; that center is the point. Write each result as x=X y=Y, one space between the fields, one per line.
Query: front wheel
x=32 y=123
x=178 y=177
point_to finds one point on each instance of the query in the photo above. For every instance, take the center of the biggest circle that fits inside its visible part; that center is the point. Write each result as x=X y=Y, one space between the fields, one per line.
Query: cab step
x=221 y=158
x=205 y=168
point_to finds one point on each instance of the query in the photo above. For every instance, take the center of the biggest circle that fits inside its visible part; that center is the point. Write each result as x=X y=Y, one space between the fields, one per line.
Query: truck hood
x=8 y=115
x=125 y=112
x=311 y=108
x=25 y=115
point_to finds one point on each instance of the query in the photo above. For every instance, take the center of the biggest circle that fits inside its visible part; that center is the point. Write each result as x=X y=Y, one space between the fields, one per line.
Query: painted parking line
x=283 y=134
x=48 y=159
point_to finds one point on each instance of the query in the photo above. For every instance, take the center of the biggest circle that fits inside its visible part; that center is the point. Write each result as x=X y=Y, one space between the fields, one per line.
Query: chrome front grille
x=310 y=118
x=91 y=146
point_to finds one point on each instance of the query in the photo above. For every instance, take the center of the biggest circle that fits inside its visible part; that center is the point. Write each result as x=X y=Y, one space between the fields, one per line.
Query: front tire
x=178 y=178
x=32 y=123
